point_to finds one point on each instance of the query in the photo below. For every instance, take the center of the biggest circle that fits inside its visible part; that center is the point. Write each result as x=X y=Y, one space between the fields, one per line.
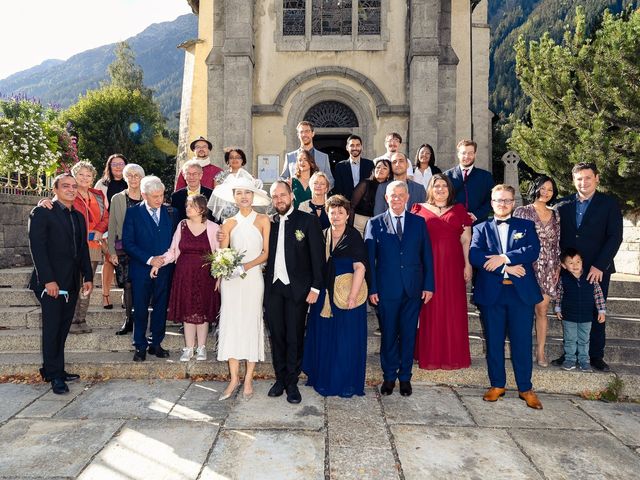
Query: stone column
x=185 y=104
x=480 y=71
x=238 y=62
x=215 y=80
x=424 y=79
x=447 y=92
x=511 y=160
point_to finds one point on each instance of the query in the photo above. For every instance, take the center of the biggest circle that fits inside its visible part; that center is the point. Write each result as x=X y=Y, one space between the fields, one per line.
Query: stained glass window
x=331 y=17
x=293 y=17
x=369 y=17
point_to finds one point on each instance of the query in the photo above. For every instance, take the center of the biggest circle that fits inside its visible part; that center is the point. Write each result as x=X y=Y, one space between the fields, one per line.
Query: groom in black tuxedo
x=292 y=282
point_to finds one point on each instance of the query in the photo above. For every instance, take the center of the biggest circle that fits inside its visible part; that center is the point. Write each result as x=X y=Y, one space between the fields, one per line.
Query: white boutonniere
x=518 y=235
x=299 y=235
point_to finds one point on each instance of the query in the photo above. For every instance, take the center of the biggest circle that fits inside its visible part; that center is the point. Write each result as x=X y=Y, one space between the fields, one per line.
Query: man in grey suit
x=305 y=135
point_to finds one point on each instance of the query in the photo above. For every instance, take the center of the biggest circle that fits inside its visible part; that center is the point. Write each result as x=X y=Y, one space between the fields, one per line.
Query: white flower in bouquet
x=224 y=261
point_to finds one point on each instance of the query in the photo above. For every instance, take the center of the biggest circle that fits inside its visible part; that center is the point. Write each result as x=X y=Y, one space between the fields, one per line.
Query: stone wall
x=628 y=258
x=14 y=242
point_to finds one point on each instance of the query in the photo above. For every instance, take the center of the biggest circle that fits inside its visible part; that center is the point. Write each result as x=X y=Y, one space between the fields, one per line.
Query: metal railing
x=14 y=183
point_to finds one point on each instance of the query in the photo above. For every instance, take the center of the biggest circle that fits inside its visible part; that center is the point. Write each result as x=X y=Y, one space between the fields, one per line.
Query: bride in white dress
x=241 y=331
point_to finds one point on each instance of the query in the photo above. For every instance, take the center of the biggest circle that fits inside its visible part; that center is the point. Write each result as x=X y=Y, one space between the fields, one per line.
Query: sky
x=58 y=29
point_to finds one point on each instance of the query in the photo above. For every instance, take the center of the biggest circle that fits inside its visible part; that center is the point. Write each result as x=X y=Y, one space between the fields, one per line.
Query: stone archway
x=356 y=101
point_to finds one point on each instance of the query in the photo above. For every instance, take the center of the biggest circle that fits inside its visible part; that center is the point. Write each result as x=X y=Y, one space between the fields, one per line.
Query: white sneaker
x=187 y=354
x=201 y=353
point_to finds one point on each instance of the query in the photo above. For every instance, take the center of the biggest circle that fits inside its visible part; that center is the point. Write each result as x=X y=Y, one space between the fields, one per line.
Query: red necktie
x=466 y=192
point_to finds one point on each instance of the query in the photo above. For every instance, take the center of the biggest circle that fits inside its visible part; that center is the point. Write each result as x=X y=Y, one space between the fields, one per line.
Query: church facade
x=258 y=67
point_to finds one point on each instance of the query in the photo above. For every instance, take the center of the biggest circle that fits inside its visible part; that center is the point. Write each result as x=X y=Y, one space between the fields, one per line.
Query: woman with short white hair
x=120 y=202
x=319 y=186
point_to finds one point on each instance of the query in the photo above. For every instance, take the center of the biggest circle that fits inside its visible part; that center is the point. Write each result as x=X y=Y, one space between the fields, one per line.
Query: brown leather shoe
x=531 y=398
x=493 y=394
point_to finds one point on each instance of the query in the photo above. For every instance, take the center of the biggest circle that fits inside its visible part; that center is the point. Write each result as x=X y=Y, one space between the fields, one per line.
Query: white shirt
x=280 y=265
x=394 y=219
x=355 y=170
x=423 y=178
x=468 y=170
x=503 y=233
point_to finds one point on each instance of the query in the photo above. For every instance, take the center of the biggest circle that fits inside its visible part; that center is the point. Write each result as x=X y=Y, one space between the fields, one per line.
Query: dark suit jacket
x=479 y=185
x=399 y=266
x=304 y=258
x=52 y=249
x=179 y=198
x=417 y=194
x=143 y=239
x=600 y=232
x=344 y=177
x=523 y=248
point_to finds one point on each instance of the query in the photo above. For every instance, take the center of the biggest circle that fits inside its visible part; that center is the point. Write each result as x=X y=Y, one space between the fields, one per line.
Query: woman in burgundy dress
x=442 y=341
x=192 y=300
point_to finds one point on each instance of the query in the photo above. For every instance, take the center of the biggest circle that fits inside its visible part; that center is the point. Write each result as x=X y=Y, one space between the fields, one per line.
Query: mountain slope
x=61 y=82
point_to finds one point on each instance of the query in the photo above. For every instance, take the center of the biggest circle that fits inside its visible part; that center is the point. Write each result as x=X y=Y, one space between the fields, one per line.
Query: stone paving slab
x=427 y=406
x=49 y=404
x=261 y=454
x=621 y=419
x=127 y=399
x=511 y=412
x=51 y=448
x=574 y=454
x=359 y=445
x=152 y=449
x=264 y=412
x=200 y=403
x=460 y=453
x=17 y=397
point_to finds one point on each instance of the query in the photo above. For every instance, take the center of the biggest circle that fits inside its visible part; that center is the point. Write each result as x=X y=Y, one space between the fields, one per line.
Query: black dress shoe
x=405 y=389
x=58 y=386
x=67 y=377
x=600 y=364
x=127 y=327
x=140 y=355
x=558 y=361
x=276 y=389
x=293 y=394
x=158 y=351
x=387 y=387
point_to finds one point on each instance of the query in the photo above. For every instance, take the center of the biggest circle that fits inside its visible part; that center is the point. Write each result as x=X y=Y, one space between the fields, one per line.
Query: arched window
x=331 y=114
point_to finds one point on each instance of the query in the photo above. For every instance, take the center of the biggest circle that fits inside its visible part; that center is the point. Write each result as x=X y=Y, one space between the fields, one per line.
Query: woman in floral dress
x=547 y=268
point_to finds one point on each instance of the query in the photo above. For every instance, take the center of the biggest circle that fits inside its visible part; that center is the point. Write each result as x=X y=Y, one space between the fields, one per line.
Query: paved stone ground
x=177 y=429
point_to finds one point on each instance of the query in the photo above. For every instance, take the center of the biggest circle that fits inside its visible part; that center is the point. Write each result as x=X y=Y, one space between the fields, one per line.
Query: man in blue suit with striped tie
x=472 y=184
x=146 y=235
x=401 y=279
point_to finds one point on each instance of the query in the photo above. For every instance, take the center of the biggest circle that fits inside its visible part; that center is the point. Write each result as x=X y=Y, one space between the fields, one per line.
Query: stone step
x=107 y=365
x=19 y=277
x=23 y=297
x=103 y=339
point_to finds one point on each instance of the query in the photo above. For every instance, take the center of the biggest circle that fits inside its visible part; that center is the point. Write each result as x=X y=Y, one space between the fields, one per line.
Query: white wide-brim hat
x=242 y=180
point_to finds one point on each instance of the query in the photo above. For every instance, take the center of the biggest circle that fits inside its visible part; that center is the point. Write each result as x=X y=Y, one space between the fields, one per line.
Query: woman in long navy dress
x=335 y=348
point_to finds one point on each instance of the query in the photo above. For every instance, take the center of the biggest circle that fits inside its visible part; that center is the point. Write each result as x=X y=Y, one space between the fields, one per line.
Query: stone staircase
x=104 y=354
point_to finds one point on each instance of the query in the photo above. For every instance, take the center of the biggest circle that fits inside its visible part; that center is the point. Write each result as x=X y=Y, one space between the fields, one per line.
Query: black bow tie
x=499 y=222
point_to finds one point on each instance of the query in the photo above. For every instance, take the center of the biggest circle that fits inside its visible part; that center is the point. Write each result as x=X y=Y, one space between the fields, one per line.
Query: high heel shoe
x=224 y=396
x=109 y=305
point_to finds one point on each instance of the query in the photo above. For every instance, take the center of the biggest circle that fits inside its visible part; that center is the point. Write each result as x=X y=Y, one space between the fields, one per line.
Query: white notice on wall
x=268 y=168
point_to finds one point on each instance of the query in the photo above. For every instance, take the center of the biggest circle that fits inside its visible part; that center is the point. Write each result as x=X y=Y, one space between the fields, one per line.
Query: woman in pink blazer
x=193 y=300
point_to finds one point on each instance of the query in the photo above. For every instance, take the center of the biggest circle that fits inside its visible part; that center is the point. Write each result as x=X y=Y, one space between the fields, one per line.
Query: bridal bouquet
x=224 y=262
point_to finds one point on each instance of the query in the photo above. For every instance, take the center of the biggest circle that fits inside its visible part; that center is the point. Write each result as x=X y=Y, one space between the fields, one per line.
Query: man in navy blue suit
x=146 y=235
x=401 y=279
x=354 y=169
x=472 y=184
x=503 y=250
x=591 y=222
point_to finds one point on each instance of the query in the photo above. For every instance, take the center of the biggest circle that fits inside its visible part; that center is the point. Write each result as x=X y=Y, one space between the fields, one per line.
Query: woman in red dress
x=442 y=341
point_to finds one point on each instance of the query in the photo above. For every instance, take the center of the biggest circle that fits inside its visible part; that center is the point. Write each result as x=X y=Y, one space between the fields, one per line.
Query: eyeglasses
x=118 y=164
x=502 y=201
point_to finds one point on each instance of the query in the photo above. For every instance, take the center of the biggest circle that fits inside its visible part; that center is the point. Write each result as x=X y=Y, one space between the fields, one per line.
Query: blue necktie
x=154 y=215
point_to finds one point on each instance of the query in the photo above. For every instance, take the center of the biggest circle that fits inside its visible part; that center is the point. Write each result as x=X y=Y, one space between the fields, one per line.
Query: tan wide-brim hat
x=192 y=145
x=244 y=181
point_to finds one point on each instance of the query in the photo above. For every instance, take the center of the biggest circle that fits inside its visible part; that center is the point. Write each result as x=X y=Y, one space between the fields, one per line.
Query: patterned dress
x=548 y=263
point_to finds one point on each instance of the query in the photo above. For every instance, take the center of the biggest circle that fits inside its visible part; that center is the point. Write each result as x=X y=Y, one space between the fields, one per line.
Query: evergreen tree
x=124 y=71
x=585 y=104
